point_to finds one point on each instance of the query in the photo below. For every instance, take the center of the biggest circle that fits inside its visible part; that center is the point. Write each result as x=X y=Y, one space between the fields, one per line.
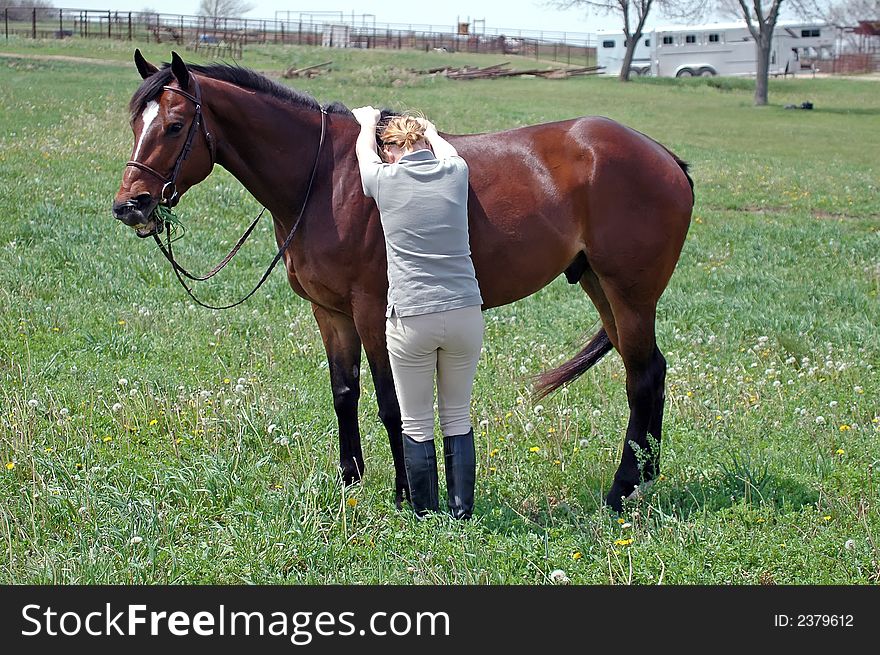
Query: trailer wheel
x=685 y=72
x=635 y=72
x=706 y=72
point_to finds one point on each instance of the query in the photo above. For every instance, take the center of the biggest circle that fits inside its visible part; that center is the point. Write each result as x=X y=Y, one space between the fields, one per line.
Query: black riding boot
x=461 y=470
x=420 y=459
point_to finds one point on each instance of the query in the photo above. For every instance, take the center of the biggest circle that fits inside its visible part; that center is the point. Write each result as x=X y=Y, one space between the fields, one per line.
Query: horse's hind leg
x=645 y=381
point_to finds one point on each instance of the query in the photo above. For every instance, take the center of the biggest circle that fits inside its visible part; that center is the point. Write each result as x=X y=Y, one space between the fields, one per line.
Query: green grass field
x=145 y=440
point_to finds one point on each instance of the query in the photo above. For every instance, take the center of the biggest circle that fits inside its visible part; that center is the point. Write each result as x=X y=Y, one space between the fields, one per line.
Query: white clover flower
x=559 y=577
x=832 y=404
x=241 y=381
x=538 y=409
x=484 y=423
x=135 y=540
x=530 y=426
x=858 y=389
x=238 y=388
x=850 y=544
x=271 y=428
x=64 y=411
x=117 y=407
x=33 y=403
x=597 y=412
x=820 y=420
x=626 y=525
x=583 y=443
x=133 y=393
x=122 y=382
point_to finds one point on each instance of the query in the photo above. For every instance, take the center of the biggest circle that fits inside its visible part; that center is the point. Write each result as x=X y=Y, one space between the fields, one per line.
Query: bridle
x=171 y=201
x=170 y=182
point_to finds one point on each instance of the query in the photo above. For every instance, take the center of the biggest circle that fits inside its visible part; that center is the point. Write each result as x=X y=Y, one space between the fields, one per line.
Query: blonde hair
x=403 y=132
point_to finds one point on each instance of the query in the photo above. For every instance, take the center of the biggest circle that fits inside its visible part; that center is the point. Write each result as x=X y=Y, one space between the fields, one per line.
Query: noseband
x=169 y=195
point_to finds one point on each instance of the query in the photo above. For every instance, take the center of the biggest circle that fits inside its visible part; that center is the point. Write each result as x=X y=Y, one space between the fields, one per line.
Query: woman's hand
x=367 y=116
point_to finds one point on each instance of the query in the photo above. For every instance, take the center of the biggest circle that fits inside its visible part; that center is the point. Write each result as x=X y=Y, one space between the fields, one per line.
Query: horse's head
x=173 y=149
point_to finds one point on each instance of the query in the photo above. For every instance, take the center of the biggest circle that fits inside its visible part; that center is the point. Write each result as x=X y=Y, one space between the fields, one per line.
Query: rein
x=170 y=201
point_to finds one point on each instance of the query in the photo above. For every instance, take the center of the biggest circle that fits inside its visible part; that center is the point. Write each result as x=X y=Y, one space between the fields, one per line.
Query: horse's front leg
x=343 y=346
x=370 y=322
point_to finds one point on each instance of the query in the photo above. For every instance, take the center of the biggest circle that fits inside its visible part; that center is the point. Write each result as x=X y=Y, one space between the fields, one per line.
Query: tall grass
x=145 y=440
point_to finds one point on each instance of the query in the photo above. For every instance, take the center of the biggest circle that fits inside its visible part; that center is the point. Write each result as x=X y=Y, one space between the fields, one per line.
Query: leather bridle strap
x=179 y=272
x=170 y=182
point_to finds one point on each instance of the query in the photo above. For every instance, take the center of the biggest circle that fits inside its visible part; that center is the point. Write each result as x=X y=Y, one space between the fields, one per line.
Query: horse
x=589 y=198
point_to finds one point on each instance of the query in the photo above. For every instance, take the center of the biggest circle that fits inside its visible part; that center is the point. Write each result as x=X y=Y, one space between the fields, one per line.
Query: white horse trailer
x=717 y=49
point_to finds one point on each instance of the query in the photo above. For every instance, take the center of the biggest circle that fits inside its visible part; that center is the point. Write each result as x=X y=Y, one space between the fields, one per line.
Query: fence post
x=109 y=26
x=34 y=22
x=6 y=21
x=129 y=26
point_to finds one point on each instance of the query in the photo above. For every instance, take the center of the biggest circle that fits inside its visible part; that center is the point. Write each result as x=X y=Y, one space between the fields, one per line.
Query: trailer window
x=667 y=40
x=714 y=38
x=647 y=43
x=690 y=38
x=607 y=44
x=809 y=33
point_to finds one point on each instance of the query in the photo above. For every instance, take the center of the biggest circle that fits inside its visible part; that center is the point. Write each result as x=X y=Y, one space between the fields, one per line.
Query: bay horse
x=588 y=197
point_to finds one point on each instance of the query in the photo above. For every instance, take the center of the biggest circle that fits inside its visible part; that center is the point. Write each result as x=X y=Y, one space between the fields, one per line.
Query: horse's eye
x=175 y=128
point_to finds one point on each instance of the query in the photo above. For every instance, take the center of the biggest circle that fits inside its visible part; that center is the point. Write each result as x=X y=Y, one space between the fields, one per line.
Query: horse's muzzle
x=139 y=213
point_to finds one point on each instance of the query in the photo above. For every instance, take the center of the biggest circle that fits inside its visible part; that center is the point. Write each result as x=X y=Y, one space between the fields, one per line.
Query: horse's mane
x=243 y=77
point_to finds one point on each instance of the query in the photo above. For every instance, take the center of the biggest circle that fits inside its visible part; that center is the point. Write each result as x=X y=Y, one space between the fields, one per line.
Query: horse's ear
x=144 y=67
x=179 y=69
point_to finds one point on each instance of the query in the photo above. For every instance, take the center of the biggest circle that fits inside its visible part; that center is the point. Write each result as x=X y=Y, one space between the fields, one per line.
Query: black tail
x=549 y=381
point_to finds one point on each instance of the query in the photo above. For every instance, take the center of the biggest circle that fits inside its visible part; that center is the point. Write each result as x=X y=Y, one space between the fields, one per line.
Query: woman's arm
x=442 y=148
x=368 y=117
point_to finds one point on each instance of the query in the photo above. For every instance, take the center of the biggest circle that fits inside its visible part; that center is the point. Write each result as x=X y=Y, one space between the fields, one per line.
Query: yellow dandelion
x=120 y=322
x=621 y=521
x=56 y=329
x=50 y=450
x=827 y=517
x=534 y=449
x=508 y=415
x=556 y=461
x=352 y=502
x=154 y=421
x=662 y=477
x=107 y=439
x=840 y=451
x=845 y=427
x=492 y=469
x=576 y=555
x=623 y=542
x=551 y=430
x=10 y=466
x=493 y=452
x=226 y=380
x=79 y=467
x=178 y=440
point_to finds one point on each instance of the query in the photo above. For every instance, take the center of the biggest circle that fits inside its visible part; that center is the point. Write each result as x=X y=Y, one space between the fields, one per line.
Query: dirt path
x=81 y=60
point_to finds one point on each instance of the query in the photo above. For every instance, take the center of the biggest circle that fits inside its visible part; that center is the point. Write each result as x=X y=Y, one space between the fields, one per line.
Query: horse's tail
x=549 y=381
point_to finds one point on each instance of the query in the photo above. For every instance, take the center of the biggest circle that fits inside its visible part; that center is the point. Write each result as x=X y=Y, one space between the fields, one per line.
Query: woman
x=434 y=318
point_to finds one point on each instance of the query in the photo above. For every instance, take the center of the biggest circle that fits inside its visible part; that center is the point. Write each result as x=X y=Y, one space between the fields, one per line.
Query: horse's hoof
x=641 y=490
x=619 y=492
x=352 y=471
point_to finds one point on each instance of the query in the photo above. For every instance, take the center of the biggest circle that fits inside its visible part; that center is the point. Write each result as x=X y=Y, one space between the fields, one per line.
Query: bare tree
x=216 y=9
x=23 y=9
x=761 y=17
x=634 y=13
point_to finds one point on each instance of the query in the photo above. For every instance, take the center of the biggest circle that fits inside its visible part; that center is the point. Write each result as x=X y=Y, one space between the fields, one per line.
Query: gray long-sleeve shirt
x=423 y=208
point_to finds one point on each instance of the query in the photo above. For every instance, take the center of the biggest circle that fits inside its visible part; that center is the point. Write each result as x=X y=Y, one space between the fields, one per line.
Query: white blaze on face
x=147 y=117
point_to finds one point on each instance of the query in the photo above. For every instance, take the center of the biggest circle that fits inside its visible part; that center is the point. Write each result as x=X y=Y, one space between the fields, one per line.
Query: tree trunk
x=762 y=74
x=628 y=57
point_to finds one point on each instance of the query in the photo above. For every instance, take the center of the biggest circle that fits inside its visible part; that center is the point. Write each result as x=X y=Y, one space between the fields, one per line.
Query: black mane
x=243 y=77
